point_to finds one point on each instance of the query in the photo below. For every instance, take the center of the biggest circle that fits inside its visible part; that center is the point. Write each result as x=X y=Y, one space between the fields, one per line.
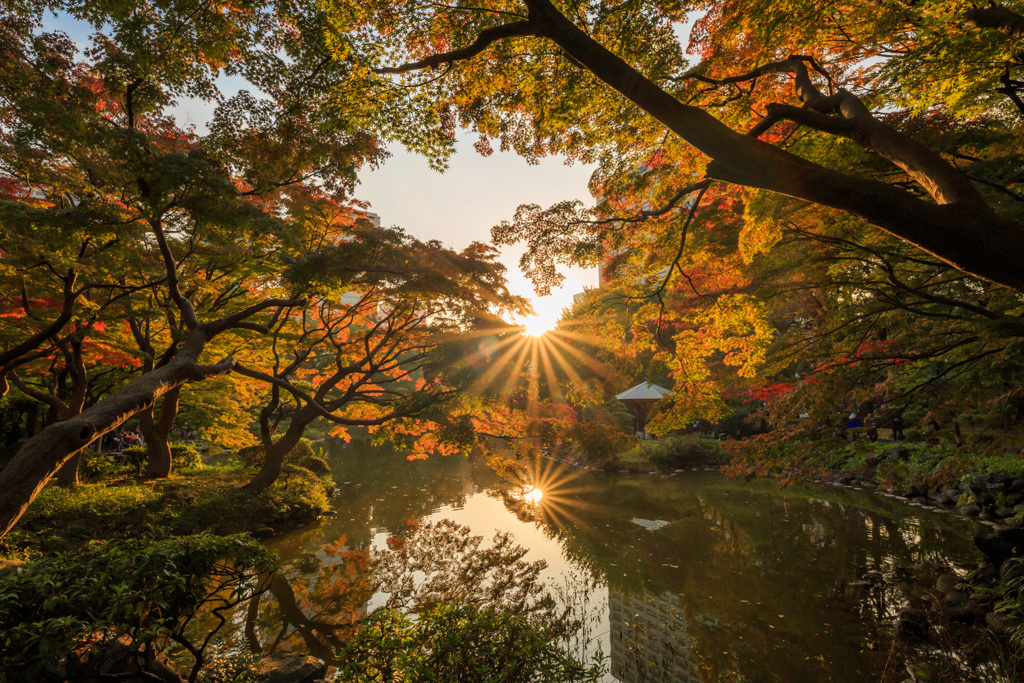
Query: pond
x=688 y=577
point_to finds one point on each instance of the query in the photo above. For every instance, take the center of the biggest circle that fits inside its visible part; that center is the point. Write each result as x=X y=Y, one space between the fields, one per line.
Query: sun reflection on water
x=532 y=494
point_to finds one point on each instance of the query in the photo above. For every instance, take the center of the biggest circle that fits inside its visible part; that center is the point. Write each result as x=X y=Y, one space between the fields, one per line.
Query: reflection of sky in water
x=719 y=577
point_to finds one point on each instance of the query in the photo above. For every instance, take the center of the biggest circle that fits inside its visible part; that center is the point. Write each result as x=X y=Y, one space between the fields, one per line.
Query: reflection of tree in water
x=425 y=565
x=758 y=575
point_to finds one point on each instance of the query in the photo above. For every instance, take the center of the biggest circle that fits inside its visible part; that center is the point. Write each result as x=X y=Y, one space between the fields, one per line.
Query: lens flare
x=536 y=325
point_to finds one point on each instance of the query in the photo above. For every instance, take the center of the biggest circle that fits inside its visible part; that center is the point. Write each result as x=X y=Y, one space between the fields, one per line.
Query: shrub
x=255 y=456
x=599 y=441
x=135 y=457
x=185 y=456
x=456 y=642
x=673 y=452
x=1012 y=602
x=315 y=464
x=100 y=466
x=124 y=599
x=210 y=499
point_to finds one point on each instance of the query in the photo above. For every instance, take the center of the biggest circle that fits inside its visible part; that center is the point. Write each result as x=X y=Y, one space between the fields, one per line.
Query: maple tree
x=205 y=243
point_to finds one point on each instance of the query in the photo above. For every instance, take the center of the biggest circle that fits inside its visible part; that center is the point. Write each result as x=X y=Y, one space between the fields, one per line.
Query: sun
x=536 y=325
x=532 y=494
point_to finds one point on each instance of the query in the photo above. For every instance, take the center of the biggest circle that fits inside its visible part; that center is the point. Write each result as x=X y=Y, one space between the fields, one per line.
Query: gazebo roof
x=643 y=392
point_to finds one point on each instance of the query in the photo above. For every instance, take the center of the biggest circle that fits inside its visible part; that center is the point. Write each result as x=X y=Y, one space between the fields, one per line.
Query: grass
x=208 y=499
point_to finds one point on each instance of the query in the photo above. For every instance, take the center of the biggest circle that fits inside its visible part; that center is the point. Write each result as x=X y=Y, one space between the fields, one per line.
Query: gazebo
x=640 y=399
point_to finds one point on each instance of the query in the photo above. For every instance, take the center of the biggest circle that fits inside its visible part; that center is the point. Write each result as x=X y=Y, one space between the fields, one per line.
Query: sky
x=460 y=205
x=474 y=194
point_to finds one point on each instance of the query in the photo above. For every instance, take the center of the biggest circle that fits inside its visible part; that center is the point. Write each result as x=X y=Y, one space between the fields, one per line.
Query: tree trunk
x=276 y=452
x=67 y=475
x=42 y=455
x=157 y=434
x=32 y=423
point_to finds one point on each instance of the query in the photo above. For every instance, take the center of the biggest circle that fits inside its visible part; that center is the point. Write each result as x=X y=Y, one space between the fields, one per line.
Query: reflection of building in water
x=649 y=642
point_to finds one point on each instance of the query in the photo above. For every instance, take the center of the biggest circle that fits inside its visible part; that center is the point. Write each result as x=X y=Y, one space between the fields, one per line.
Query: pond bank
x=191 y=501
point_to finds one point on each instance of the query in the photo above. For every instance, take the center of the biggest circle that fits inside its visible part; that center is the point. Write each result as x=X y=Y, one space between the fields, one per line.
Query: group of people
x=117 y=441
x=870 y=426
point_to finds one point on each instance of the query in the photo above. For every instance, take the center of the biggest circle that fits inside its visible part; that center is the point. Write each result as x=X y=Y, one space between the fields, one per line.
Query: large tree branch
x=999 y=18
x=10 y=357
x=238 y=319
x=43 y=454
x=483 y=41
x=969 y=237
x=943 y=181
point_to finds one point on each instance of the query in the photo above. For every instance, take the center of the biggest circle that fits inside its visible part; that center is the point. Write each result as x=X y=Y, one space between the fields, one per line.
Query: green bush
x=135 y=457
x=1012 y=603
x=315 y=464
x=674 y=452
x=455 y=642
x=254 y=456
x=100 y=466
x=185 y=456
x=73 y=611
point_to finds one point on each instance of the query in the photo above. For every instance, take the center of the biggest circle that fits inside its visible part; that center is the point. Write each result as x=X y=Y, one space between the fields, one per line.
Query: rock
x=873 y=460
x=986 y=574
x=920 y=500
x=1013 y=499
x=1003 y=512
x=10 y=566
x=959 y=613
x=1017 y=485
x=859 y=585
x=943 y=499
x=955 y=597
x=1001 y=546
x=946 y=583
x=975 y=608
x=873 y=577
x=997 y=623
x=898 y=452
x=986 y=515
x=970 y=510
x=843 y=479
x=912 y=622
x=289 y=667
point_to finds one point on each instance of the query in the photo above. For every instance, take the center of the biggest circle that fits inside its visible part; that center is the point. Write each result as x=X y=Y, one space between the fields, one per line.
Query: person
x=872 y=425
x=853 y=423
x=897 y=426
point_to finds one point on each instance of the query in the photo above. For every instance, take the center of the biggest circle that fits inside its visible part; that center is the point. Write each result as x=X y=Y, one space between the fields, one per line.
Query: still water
x=691 y=577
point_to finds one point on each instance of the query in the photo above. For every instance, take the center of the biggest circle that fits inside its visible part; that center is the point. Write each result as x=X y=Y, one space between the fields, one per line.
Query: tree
x=217 y=230
x=740 y=197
